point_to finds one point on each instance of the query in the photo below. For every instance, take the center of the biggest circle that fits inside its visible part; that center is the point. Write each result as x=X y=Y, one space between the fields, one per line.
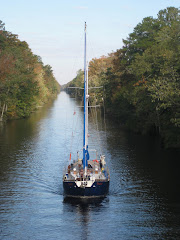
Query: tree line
x=25 y=82
x=142 y=79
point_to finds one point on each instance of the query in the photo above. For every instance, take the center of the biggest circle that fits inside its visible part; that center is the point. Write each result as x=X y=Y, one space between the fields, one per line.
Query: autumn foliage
x=25 y=83
x=142 y=79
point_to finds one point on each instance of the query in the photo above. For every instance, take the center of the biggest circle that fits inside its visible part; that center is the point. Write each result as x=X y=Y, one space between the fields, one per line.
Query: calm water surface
x=143 y=201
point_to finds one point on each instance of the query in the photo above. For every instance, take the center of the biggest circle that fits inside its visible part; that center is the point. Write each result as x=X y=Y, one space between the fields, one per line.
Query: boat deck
x=95 y=171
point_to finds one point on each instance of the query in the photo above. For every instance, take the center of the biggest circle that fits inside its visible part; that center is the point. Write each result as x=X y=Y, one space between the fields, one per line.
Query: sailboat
x=85 y=177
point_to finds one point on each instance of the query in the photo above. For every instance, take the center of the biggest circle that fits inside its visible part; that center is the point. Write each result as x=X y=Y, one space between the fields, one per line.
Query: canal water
x=143 y=200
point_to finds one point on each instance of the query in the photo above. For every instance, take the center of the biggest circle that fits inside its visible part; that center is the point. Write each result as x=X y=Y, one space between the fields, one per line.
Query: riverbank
x=25 y=82
x=141 y=80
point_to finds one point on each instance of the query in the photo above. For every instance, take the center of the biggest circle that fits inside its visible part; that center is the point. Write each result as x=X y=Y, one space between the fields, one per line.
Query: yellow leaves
x=140 y=82
x=98 y=65
x=7 y=63
x=12 y=111
x=38 y=68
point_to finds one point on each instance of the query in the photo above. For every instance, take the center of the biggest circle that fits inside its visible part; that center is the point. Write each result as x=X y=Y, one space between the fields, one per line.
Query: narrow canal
x=144 y=196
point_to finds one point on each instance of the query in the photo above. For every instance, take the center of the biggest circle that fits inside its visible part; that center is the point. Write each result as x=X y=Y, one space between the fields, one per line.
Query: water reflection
x=143 y=202
x=84 y=208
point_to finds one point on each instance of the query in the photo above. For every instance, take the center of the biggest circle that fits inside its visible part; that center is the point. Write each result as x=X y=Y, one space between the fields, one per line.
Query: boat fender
x=95 y=160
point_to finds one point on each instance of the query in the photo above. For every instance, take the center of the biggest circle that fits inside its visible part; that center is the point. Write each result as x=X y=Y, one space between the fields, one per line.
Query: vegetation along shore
x=25 y=82
x=142 y=79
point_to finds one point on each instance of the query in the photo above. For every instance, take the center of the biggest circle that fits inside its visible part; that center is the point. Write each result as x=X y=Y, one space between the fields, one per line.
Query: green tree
x=23 y=77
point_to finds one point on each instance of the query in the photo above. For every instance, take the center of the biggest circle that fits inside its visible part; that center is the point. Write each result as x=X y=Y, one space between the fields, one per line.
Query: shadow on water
x=141 y=162
x=84 y=202
x=84 y=210
x=143 y=198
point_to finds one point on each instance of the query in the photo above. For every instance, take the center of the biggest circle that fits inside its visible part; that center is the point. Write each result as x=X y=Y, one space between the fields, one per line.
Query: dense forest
x=142 y=79
x=25 y=82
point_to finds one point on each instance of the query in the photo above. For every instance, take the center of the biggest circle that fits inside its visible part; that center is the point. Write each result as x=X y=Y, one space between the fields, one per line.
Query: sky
x=54 y=29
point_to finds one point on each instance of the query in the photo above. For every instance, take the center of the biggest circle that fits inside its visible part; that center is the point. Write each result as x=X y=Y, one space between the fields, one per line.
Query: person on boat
x=90 y=166
x=89 y=173
x=69 y=169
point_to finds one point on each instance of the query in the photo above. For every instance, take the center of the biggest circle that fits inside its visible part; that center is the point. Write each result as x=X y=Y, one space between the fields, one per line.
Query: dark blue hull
x=98 y=189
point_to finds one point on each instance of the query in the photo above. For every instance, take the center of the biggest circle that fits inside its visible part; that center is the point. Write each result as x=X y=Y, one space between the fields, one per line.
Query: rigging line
x=96 y=52
x=90 y=106
x=72 y=137
x=66 y=142
x=76 y=87
x=79 y=139
x=79 y=114
x=70 y=73
x=77 y=120
x=94 y=118
x=91 y=48
x=74 y=104
x=66 y=131
x=98 y=131
x=82 y=131
x=95 y=87
x=76 y=59
x=105 y=127
x=75 y=124
x=75 y=133
x=69 y=148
